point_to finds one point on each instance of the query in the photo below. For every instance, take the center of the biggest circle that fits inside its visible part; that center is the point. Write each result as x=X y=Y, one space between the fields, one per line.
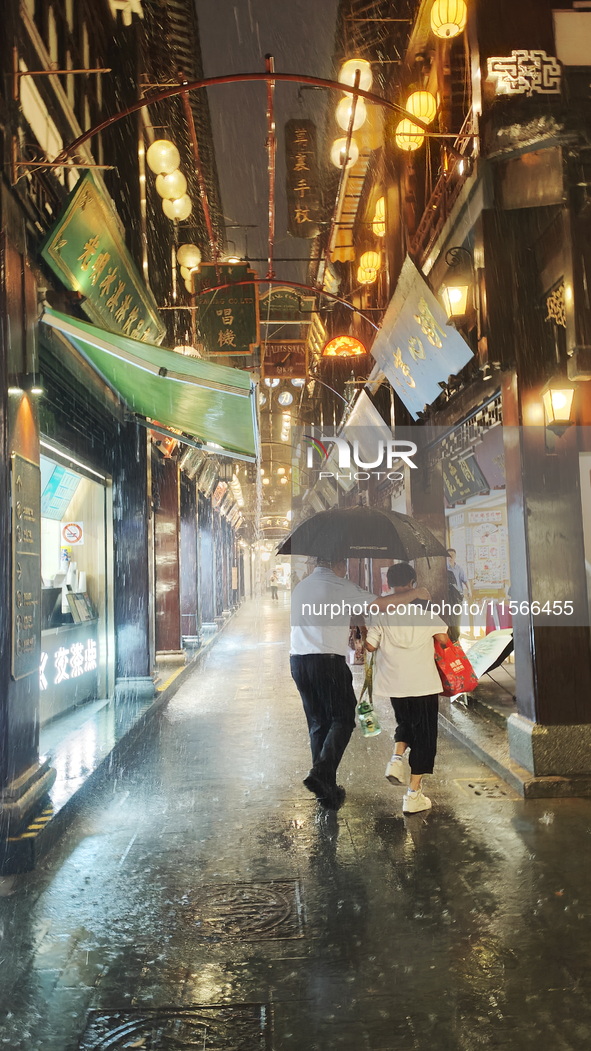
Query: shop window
x=74 y=572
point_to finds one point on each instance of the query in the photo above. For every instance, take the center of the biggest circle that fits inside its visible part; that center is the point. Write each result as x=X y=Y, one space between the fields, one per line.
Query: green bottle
x=368 y=720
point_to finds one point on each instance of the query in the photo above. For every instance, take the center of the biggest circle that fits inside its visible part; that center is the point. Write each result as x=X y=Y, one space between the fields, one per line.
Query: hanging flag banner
x=415 y=347
x=227 y=319
x=303 y=186
x=285 y=359
x=87 y=251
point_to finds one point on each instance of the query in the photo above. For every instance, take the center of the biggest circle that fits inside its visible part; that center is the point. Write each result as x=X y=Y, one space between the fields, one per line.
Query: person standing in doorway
x=318 y=661
x=406 y=673
x=274 y=581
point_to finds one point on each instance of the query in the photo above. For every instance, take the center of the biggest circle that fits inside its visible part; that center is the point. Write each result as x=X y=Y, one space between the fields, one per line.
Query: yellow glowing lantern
x=422 y=104
x=379 y=220
x=344 y=347
x=366 y=276
x=349 y=69
x=338 y=153
x=448 y=18
x=409 y=136
x=163 y=157
x=370 y=261
x=343 y=113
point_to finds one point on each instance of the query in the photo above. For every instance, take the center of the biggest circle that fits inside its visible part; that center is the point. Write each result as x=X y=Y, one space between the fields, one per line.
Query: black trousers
x=416 y=719
x=325 y=684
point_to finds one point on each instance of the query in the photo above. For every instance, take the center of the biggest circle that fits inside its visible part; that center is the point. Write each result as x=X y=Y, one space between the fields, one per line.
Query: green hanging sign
x=86 y=250
x=228 y=318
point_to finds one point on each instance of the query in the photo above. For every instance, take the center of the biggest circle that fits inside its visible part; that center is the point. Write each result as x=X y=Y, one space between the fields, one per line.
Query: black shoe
x=334 y=798
x=316 y=785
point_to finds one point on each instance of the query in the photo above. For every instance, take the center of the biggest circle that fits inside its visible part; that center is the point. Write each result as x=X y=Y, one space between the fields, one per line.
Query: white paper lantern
x=178 y=209
x=172 y=185
x=343 y=113
x=189 y=255
x=339 y=152
x=163 y=157
x=350 y=67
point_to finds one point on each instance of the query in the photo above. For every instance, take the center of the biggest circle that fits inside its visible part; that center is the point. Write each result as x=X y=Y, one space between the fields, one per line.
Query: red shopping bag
x=455 y=671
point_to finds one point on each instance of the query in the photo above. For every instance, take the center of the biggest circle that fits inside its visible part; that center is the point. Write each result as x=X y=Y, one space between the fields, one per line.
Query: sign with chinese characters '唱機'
x=227 y=318
x=303 y=188
x=285 y=359
x=88 y=253
x=26 y=565
x=525 y=73
x=415 y=347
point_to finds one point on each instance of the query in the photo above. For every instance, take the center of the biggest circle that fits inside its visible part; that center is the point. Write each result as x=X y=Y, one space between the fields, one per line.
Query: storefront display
x=74 y=653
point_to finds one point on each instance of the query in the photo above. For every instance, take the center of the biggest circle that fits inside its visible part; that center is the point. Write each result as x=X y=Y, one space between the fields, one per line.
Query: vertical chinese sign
x=227 y=318
x=303 y=187
x=26 y=565
x=87 y=251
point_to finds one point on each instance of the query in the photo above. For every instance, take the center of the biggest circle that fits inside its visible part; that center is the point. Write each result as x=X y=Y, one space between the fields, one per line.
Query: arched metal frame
x=290 y=284
x=270 y=77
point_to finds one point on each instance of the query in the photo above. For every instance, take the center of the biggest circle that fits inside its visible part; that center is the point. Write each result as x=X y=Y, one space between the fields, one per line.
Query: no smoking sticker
x=73 y=533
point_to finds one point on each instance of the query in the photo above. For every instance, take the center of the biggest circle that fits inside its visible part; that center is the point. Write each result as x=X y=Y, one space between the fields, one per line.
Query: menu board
x=25 y=487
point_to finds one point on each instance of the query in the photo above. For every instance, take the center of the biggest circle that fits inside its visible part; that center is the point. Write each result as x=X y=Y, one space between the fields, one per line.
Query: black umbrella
x=361 y=532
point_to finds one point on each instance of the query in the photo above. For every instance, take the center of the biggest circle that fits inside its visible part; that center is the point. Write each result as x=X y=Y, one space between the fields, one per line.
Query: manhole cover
x=250 y=911
x=486 y=787
x=232 y=1027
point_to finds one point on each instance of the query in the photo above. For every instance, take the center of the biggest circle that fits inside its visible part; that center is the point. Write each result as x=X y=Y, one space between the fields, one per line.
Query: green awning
x=209 y=403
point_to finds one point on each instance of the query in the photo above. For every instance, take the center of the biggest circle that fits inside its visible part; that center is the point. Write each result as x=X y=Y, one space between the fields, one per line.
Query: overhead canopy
x=209 y=403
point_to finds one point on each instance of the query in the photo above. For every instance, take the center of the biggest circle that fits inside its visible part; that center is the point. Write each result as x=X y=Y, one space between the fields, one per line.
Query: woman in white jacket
x=407 y=674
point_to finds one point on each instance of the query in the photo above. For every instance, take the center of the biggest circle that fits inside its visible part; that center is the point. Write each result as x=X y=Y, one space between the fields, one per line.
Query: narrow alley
x=203 y=899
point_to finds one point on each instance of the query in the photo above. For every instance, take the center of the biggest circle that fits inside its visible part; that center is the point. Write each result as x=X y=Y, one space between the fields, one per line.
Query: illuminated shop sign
x=67 y=662
x=525 y=73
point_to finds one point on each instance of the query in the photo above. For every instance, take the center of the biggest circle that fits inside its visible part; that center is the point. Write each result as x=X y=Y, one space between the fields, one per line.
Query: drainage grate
x=486 y=787
x=250 y=911
x=231 y=1027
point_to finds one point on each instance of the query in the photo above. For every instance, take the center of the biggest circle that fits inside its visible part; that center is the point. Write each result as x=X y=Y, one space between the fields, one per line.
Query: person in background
x=274 y=581
x=318 y=662
x=457 y=587
x=402 y=581
x=407 y=674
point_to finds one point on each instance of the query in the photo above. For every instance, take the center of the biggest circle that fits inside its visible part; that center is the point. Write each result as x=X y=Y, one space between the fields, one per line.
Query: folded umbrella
x=361 y=532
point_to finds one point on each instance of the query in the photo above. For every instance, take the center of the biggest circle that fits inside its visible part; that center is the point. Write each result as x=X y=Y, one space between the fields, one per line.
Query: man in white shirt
x=322 y=606
x=406 y=673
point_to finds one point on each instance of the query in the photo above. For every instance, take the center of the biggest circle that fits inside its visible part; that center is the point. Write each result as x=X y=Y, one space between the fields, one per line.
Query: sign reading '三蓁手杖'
x=303 y=185
x=87 y=252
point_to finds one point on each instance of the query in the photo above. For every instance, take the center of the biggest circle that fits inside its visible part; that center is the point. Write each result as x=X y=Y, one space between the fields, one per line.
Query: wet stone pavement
x=202 y=900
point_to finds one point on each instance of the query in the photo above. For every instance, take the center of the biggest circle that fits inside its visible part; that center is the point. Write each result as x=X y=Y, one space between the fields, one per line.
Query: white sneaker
x=395 y=771
x=413 y=802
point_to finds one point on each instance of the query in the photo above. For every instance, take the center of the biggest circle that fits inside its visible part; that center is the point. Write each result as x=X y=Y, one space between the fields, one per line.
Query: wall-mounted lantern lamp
x=557 y=398
x=456 y=288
